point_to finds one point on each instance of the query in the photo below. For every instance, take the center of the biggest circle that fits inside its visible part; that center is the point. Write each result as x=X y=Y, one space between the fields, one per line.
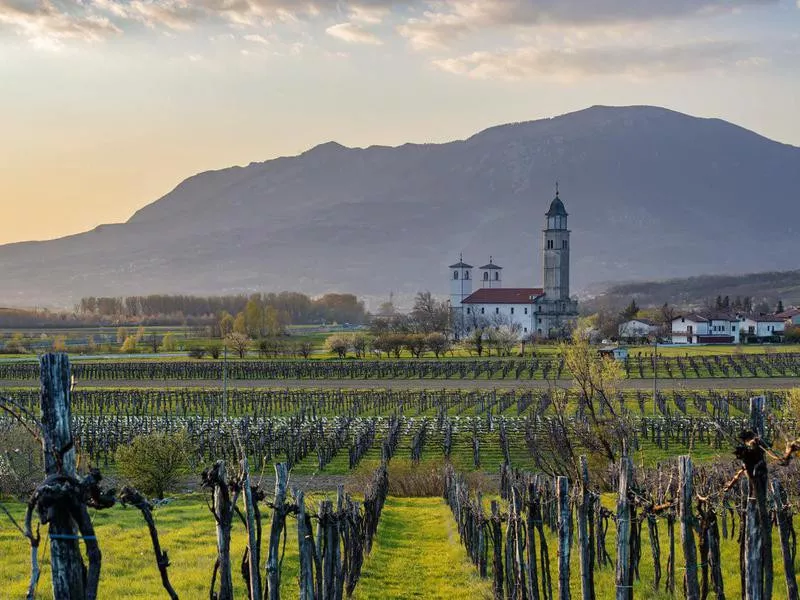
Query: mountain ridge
x=379 y=219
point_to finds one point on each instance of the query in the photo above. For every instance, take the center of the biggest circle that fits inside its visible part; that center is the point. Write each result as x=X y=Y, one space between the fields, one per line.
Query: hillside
x=652 y=194
x=696 y=291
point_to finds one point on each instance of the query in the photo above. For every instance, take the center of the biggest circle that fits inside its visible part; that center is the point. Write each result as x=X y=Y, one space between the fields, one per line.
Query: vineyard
x=646 y=525
x=333 y=430
x=535 y=368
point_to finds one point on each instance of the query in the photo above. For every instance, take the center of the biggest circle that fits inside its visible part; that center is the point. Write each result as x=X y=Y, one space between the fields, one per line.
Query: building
x=546 y=311
x=615 y=352
x=762 y=328
x=706 y=328
x=638 y=328
x=791 y=317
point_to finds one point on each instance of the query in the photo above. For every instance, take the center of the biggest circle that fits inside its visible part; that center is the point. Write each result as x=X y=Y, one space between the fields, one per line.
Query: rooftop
x=503 y=296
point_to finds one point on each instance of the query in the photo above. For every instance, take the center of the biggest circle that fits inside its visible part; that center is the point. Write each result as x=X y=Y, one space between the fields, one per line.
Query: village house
x=791 y=317
x=638 y=328
x=721 y=328
x=696 y=328
x=762 y=328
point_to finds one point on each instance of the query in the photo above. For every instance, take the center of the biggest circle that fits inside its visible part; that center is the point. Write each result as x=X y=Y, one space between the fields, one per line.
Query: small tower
x=460 y=283
x=555 y=252
x=491 y=275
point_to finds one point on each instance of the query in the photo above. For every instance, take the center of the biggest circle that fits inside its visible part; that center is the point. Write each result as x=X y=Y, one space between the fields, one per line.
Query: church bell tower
x=555 y=252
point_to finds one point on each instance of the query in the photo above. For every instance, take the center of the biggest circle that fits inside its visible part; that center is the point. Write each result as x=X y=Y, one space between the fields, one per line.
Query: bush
x=155 y=463
x=129 y=345
x=337 y=344
x=169 y=343
x=425 y=480
x=197 y=352
x=21 y=468
x=215 y=350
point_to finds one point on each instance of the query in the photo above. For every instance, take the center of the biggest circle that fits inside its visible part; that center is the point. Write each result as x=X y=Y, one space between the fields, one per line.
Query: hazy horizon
x=108 y=105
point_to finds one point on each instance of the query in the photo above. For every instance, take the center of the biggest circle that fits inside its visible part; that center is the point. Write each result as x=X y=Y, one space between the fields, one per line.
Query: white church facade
x=545 y=312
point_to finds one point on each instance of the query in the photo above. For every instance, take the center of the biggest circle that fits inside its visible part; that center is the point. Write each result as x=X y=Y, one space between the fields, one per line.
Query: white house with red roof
x=791 y=316
x=546 y=311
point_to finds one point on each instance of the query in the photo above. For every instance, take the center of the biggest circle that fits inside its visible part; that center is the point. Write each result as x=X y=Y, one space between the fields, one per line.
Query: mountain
x=697 y=292
x=651 y=193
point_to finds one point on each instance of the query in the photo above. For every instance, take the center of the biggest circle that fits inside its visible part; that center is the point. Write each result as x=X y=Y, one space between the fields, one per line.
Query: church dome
x=557 y=208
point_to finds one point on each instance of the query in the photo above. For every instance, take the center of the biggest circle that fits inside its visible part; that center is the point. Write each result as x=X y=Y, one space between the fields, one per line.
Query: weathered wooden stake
x=784 y=519
x=685 y=497
x=497 y=541
x=564 y=536
x=533 y=579
x=624 y=578
x=305 y=544
x=253 y=549
x=59 y=461
x=279 y=511
x=758 y=528
x=223 y=514
x=586 y=534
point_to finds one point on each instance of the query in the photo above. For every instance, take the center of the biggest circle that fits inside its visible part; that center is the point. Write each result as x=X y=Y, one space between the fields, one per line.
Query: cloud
x=48 y=23
x=575 y=63
x=256 y=39
x=353 y=33
x=449 y=20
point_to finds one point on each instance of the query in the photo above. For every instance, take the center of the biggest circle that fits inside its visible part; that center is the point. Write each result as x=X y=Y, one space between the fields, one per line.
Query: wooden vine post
x=585 y=533
x=785 y=531
x=685 y=498
x=59 y=463
x=564 y=536
x=216 y=479
x=279 y=511
x=624 y=573
x=253 y=520
x=758 y=523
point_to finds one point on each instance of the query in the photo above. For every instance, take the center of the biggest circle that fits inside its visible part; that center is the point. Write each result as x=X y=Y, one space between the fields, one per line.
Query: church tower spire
x=555 y=251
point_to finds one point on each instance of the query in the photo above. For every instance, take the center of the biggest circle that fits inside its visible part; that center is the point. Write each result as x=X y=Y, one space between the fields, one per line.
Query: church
x=545 y=312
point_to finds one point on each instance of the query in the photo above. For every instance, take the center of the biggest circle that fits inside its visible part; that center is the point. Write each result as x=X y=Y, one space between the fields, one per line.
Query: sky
x=106 y=105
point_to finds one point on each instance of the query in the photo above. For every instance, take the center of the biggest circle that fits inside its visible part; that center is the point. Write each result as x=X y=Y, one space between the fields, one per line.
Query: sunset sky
x=106 y=105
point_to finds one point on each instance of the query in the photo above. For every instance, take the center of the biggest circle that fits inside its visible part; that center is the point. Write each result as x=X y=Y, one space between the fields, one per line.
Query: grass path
x=417 y=555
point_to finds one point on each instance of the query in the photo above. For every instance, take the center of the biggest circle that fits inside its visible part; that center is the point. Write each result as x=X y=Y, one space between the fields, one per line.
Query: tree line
x=297 y=308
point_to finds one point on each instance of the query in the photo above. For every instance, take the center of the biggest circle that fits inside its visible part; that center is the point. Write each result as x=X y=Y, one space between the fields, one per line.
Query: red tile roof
x=503 y=296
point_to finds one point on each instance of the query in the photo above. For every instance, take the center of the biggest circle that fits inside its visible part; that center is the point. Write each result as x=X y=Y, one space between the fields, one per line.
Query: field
x=331 y=436
x=417 y=555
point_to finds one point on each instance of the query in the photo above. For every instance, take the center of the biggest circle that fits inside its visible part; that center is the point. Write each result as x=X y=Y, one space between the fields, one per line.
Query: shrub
x=337 y=344
x=129 y=346
x=197 y=352
x=169 y=343
x=425 y=480
x=437 y=342
x=215 y=350
x=60 y=343
x=155 y=463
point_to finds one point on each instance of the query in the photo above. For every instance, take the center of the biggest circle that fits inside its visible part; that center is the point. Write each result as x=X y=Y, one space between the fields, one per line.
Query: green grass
x=416 y=554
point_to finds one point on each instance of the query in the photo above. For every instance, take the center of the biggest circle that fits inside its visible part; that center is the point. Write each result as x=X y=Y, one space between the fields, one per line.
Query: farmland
x=481 y=420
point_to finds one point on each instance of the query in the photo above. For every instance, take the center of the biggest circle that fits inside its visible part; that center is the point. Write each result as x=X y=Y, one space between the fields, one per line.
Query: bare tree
x=239 y=343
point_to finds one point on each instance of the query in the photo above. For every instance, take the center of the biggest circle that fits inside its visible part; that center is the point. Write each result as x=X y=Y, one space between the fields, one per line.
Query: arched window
x=486 y=275
x=466 y=274
x=455 y=274
x=496 y=276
